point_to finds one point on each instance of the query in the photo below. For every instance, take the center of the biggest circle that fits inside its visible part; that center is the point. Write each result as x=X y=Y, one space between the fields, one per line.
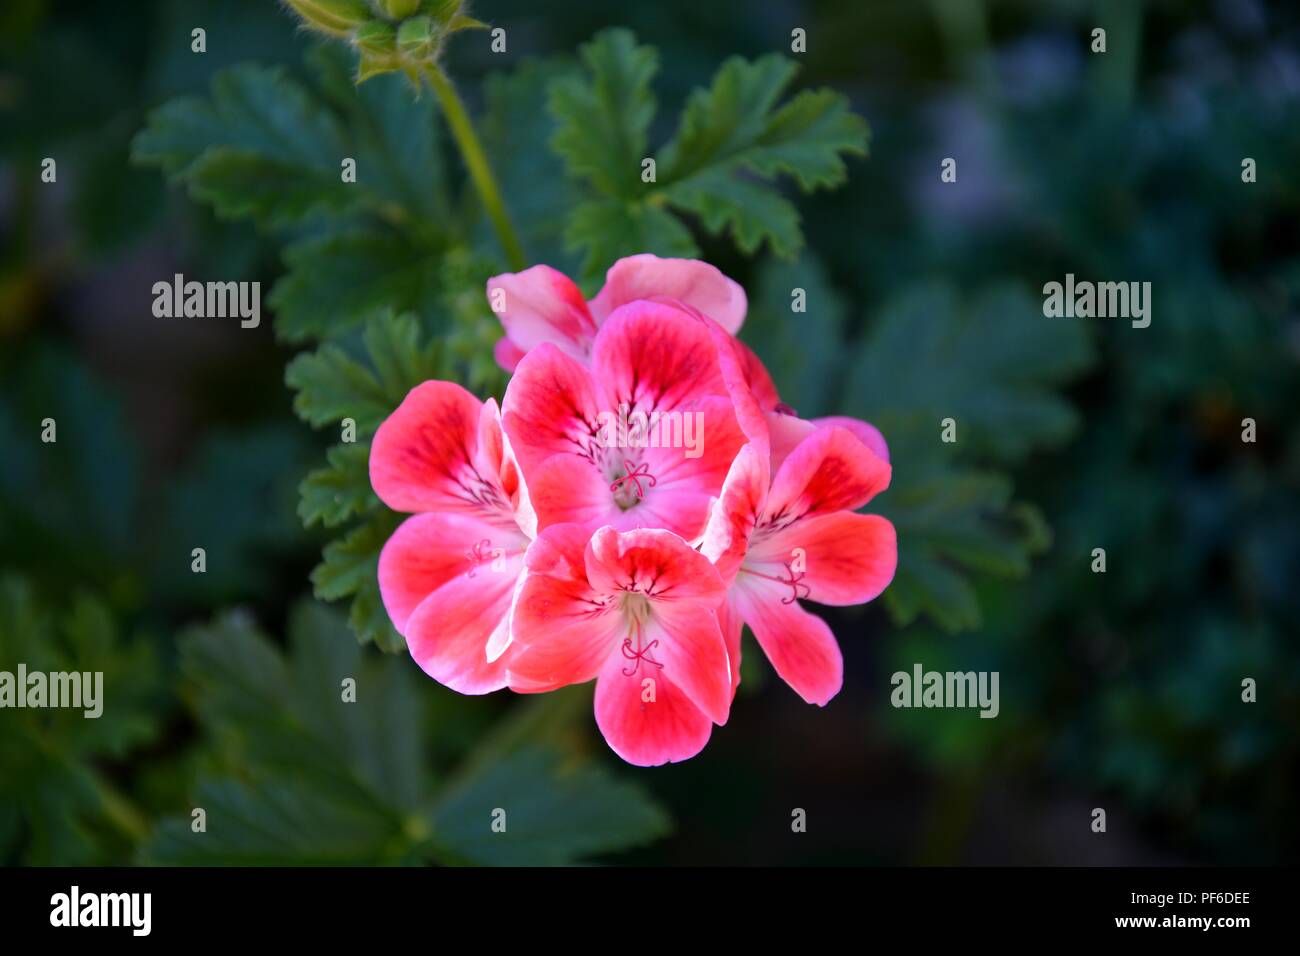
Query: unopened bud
x=335 y=17
x=417 y=39
x=400 y=9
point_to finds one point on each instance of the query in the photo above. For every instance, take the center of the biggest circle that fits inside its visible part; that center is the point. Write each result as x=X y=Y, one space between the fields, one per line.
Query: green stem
x=471 y=150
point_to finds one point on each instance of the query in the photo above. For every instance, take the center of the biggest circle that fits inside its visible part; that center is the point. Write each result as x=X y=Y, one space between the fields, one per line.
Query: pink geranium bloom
x=636 y=611
x=800 y=539
x=542 y=304
x=649 y=359
x=448 y=574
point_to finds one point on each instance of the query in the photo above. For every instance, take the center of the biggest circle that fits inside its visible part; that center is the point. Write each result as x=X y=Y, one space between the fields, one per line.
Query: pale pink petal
x=787 y=432
x=802 y=649
x=842 y=557
x=646 y=719
x=428 y=550
x=449 y=632
x=731 y=626
x=830 y=470
x=542 y=305
x=693 y=282
x=867 y=433
x=550 y=408
x=507 y=354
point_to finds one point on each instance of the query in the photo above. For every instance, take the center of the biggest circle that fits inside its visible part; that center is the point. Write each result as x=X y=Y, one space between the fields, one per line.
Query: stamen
x=639 y=654
x=482 y=551
x=794 y=582
x=634 y=475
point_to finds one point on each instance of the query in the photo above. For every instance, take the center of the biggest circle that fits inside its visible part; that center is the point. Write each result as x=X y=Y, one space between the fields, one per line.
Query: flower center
x=637 y=652
x=630 y=487
x=482 y=551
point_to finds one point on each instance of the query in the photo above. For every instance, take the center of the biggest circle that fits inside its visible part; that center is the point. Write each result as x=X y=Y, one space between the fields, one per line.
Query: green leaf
x=302 y=775
x=994 y=364
x=609 y=229
x=951 y=522
x=333 y=495
x=732 y=142
x=749 y=208
x=335 y=282
x=551 y=817
x=802 y=350
x=603 y=117
x=261 y=146
x=350 y=569
x=53 y=759
x=332 y=385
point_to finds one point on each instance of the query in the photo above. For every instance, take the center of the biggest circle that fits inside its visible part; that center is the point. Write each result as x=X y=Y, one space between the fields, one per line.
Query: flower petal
x=550 y=408
x=867 y=433
x=734 y=514
x=802 y=649
x=846 y=557
x=428 y=550
x=424 y=456
x=653 y=562
x=449 y=632
x=651 y=356
x=664 y=729
x=691 y=281
x=540 y=305
x=830 y=470
x=563 y=630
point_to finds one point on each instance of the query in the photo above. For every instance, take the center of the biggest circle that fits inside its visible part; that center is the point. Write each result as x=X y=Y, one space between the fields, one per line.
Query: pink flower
x=448 y=574
x=636 y=611
x=800 y=539
x=651 y=359
x=543 y=305
x=641 y=494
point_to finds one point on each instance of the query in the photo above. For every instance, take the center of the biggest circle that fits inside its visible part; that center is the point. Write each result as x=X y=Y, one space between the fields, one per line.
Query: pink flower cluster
x=543 y=551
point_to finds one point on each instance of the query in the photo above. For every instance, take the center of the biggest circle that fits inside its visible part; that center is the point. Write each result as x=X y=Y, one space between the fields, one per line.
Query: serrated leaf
x=261 y=146
x=52 y=759
x=802 y=350
x=336 y=282
x=993 y=364
x=609 y=229
x=750 y=209
x=341 y=491
x=552 y=817
x=603 y=117
x=332 y=385
x=734 y=139
x=306 y=777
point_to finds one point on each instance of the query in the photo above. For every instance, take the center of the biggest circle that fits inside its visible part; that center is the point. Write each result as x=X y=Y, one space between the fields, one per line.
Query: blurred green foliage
x=1119 y=689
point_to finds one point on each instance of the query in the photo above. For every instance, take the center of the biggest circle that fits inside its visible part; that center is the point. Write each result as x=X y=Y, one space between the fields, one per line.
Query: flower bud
x=376 y=41
x=335 y=17
x=400 y=9
x=417 y=39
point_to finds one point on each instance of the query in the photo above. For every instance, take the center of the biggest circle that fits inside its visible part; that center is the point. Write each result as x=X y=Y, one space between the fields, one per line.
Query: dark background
x=1119 y=691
